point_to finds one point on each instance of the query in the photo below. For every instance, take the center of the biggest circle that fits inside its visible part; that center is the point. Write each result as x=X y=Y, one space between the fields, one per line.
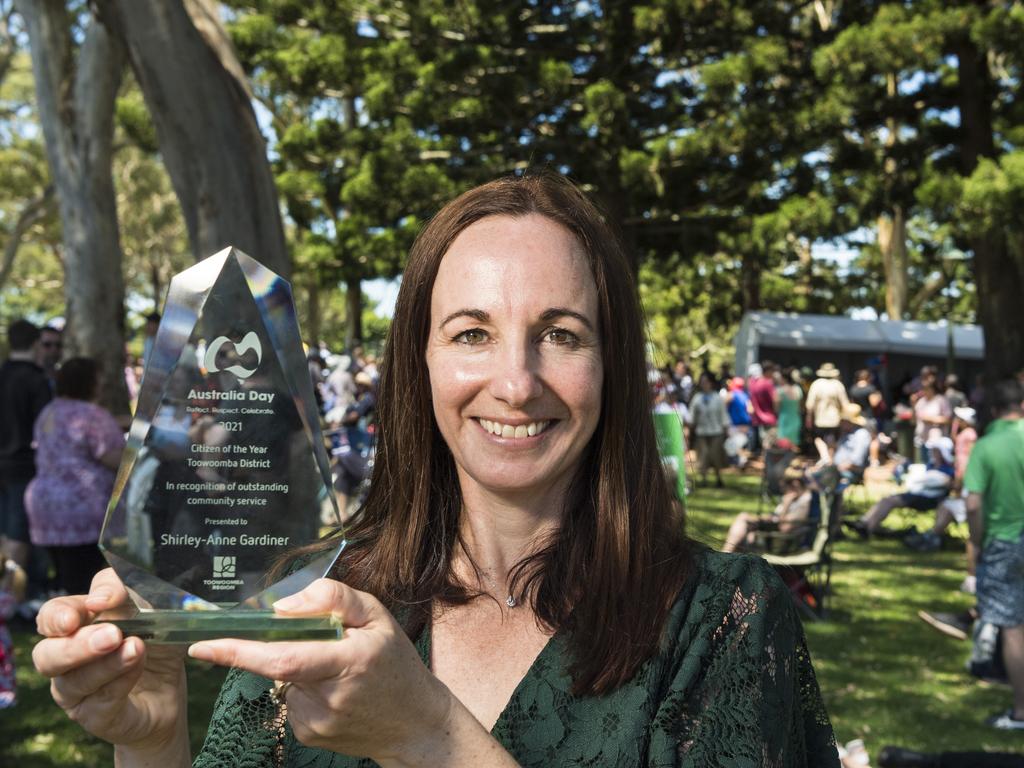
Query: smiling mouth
x=516 y=432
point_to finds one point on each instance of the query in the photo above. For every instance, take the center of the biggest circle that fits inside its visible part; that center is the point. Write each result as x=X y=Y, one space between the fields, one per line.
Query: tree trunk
x=76 y=109
x=313 y=314
x=353 y=313
x=209 y=139
x=750 y=282
x=999 y=275
x=892 y=242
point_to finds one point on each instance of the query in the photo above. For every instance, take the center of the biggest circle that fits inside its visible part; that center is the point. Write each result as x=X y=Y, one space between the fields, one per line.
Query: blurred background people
x=79 y=446
x=24 y=392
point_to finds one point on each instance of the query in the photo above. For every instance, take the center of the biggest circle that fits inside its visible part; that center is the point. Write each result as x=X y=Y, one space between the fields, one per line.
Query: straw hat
x=828 y=371
x=852 y=414
x=793 y=473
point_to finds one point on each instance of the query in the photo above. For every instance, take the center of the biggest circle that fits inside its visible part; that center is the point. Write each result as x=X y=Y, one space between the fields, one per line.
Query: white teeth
x=508 y=431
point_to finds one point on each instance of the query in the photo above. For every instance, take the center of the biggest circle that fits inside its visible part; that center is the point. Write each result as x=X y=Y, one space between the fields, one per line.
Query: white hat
x=944 y=445
x=754 y=370
x=966 y=414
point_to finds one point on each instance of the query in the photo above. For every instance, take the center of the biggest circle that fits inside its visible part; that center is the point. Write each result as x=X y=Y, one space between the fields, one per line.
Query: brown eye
x=561 y=337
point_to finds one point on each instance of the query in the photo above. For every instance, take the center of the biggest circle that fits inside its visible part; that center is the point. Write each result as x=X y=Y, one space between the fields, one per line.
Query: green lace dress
x=733 y=686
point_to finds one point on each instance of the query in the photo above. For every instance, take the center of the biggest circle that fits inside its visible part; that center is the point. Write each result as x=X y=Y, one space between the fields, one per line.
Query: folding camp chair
x=804 y=556
x=776 y=460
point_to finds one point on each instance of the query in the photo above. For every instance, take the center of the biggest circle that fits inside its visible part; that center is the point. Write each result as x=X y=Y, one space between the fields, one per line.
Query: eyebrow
x=553 y=313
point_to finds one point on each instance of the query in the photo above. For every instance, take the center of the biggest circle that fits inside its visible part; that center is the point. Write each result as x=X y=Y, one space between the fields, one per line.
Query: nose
x=515 y=379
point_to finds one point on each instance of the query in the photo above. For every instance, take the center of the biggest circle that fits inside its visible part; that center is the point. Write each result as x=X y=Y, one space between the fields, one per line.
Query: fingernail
x=101 y=594
x=105 y=639
x=199 y=651
x=63 y=621
x=130 y=651
x=290 y=603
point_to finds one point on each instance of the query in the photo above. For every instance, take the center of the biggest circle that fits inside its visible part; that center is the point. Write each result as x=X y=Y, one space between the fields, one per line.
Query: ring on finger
x=280 y=691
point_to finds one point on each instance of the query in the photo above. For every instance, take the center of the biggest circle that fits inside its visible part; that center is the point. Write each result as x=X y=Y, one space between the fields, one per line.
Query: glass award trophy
x=225 y=477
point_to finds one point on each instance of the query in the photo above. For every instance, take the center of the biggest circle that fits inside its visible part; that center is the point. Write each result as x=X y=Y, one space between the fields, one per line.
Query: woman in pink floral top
x=78 y=447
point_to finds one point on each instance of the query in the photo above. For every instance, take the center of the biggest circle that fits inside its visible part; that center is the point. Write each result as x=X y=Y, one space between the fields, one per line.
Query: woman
x=517 y=592
x=789 y=398
x=78 y=449
x=710 y=422
x=931 y=413
x=790 y=514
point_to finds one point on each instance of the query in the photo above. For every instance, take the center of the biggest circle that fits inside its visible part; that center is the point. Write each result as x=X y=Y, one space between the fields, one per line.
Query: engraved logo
x=223 y=566
x=248 y=343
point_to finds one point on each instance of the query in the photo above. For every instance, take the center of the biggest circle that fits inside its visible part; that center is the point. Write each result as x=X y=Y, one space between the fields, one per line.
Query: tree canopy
x=727 y=141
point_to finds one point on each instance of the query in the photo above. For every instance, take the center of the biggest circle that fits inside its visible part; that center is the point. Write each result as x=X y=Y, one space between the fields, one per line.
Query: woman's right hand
x=116 y=688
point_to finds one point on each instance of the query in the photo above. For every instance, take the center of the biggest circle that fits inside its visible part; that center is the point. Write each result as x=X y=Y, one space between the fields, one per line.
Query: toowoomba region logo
x=224 y=574
x=250 y=342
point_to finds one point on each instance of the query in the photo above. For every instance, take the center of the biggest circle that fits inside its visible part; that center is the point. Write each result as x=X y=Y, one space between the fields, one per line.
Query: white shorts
x=958 y=507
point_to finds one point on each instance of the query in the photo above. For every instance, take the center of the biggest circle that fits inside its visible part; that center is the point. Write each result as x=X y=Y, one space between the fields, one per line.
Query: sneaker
x=860 y=528
x=969 y=585
x=1005 y=721
x=956 y=625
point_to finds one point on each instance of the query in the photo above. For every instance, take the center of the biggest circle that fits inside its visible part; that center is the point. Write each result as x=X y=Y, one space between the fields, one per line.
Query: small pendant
x=510 y=601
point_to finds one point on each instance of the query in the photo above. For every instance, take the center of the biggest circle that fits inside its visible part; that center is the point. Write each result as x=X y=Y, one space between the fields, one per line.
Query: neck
x=499 y=530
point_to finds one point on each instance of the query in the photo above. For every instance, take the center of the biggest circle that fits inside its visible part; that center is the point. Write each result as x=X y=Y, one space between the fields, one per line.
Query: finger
x=106 y=591
x=59 y=655
x=114 y=674
x=290 y=662
x=327 y=596
x=63 y=615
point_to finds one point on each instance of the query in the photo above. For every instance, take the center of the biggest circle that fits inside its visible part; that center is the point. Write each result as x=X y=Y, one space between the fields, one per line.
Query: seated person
x=790 y=515
x=954 y=507
x=927 y=485
x=852 y=449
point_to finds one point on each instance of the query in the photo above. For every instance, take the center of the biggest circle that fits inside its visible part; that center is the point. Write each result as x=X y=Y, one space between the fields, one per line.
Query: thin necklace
x=510 y=601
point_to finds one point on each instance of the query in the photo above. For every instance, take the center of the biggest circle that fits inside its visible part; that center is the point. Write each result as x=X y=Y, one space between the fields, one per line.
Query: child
x=12 y=590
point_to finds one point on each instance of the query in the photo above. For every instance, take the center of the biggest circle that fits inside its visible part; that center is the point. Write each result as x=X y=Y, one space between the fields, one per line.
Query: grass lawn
x=886 y=676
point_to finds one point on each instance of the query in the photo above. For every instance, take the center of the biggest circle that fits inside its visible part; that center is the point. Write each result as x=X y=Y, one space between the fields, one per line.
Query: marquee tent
x=904 y=346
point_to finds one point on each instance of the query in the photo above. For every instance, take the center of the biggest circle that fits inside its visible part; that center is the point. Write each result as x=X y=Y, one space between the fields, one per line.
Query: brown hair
x=78 y=378
x=611 y=573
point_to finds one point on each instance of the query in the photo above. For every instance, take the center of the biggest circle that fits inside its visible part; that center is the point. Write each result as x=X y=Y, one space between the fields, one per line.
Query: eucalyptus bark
x=75 y=99
x=209 y=138
x=998 y=268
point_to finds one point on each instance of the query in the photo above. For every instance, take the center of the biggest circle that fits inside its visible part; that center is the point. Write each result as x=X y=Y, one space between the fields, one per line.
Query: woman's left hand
x=365 y=695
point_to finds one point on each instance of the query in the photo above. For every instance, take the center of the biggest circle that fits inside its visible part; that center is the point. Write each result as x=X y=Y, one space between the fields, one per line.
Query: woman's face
x=514 y=354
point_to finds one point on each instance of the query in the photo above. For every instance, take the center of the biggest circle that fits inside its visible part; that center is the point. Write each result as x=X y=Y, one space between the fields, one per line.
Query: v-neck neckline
x=424 y=644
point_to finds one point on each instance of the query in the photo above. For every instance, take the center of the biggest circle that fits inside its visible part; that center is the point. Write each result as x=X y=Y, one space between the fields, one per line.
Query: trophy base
x=185 y=627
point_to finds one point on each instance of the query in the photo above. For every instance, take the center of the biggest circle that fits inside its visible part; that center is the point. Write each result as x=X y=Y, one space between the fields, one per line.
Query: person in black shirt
x=24 y=390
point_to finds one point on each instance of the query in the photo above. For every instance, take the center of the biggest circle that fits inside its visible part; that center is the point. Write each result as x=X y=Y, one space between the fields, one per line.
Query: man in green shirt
x=995 y=516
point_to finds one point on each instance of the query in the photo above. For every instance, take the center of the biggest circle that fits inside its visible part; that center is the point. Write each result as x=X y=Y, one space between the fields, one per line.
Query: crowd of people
x=808 y=420
x=60 y=450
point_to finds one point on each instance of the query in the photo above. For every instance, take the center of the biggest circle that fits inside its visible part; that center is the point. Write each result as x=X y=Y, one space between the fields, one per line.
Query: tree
x=209 y=138
x=75 y=97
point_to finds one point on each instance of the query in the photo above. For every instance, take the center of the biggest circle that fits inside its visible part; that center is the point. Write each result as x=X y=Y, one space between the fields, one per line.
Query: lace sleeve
x=745 y=693
x=247 y=727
